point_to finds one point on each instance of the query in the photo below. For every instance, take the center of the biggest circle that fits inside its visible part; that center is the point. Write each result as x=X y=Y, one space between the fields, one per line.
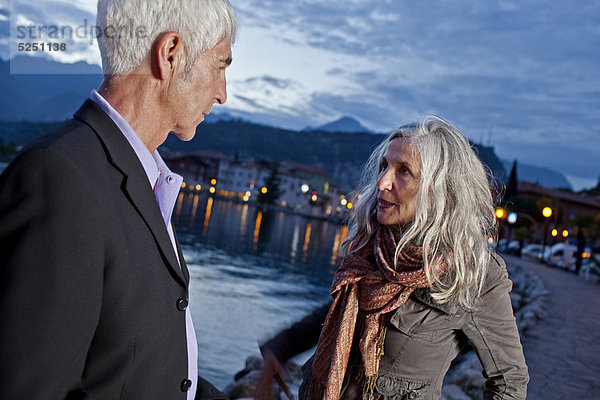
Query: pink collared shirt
x=165 y=185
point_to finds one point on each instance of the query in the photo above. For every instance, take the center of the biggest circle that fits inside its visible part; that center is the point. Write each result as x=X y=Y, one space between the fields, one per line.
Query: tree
x=512 y=186
x=270 y=191
x=584 y=222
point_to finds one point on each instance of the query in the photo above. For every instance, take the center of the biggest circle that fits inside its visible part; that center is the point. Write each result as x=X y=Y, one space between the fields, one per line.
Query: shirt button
x=169 y=179
x=182 y=304
x=186 y=384
x=412 y=395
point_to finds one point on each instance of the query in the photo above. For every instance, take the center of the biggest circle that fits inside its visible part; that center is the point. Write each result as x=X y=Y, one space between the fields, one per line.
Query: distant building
x=568 y=205
x=301 y=186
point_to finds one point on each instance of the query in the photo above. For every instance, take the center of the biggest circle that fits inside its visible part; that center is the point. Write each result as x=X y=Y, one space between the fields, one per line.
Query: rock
x=453 y=392
x=515 y=299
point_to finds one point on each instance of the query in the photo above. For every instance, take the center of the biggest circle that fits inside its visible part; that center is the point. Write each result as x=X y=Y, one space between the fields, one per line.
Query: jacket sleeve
x=299 y=337
x=51 y=266
x=492 y=330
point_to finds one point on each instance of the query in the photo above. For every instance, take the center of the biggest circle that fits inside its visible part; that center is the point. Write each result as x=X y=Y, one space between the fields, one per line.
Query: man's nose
x=221 y=92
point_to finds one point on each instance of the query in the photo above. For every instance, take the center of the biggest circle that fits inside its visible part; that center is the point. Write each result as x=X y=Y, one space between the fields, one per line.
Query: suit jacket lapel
x=184 y=268
x=136 y=187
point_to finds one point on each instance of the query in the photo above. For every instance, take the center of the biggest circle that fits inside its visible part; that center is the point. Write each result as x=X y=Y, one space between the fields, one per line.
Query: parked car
x=532 y=250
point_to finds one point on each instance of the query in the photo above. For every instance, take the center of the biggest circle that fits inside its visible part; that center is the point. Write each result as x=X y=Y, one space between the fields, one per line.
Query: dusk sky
x=523 y=76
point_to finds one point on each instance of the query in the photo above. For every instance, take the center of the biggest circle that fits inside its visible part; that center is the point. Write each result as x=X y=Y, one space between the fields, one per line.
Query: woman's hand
x=272 y=369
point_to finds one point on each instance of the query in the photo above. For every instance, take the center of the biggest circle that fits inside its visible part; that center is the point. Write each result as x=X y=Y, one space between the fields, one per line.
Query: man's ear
x=168 y=55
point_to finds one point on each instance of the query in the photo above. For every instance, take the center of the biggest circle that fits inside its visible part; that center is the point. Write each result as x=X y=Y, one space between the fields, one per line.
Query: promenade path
x=563 y=349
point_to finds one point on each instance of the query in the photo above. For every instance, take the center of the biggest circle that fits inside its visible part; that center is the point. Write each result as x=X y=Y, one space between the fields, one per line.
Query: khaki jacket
x=423 y=337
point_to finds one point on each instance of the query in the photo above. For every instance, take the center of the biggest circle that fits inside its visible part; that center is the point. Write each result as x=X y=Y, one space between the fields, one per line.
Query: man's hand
x=272 y=369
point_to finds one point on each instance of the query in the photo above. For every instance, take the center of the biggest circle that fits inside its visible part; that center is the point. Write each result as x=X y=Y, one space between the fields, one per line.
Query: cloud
x=526 y=70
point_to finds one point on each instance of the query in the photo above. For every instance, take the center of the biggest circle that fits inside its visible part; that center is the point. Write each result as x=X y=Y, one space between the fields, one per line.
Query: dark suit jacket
x=89 y=281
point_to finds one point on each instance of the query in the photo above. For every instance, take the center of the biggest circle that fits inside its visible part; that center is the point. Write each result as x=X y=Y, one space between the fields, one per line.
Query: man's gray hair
x=130 y=28
x=454 y=212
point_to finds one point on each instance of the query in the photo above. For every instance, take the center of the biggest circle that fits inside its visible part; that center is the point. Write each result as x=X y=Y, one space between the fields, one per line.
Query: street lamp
x=546 y=212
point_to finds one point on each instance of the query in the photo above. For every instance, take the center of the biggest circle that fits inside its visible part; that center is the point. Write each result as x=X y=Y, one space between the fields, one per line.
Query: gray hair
x=130 y=27
x=454 y=212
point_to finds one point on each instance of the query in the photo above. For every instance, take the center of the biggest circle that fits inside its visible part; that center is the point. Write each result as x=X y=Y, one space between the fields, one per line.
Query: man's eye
x=404 y=170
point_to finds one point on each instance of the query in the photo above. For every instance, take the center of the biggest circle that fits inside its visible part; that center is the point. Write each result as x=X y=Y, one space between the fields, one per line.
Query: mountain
x=341 y=154
x=344 y=124
x=48 y=91
x=543 y=176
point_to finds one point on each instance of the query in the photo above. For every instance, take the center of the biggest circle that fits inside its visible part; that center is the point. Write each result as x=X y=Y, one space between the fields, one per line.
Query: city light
x=512 y=218
x=500 y=213
x=344 y=202
x=304 y=188
x=198 y=187
x=212 y=189
x=349 y=205
x=565 y=233
x=554 y=232
x=263 y=190
x=585 y=254
x=183 y=185
x=547 y=212
x=283 y=203
x=213 y=181
x=314 y=197
x=247 y=194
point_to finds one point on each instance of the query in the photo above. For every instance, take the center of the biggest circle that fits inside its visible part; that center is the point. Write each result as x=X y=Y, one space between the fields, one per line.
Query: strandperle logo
x=32 y=32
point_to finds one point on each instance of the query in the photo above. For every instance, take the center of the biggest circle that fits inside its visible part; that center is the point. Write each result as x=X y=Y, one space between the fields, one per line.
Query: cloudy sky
x=523 y=76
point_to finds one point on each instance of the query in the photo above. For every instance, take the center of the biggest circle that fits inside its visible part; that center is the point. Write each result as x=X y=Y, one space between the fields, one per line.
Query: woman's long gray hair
x=454 y=212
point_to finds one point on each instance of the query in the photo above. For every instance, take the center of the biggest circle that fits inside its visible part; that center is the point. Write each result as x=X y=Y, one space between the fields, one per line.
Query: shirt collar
x=149 y=161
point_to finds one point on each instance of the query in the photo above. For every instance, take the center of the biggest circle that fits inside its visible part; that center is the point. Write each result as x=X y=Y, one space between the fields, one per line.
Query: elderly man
x=93 y=284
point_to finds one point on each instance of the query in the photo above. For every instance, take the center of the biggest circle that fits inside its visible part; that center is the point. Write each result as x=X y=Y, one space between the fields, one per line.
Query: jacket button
x=186 y=384
x=412 y=395
x=182 y=304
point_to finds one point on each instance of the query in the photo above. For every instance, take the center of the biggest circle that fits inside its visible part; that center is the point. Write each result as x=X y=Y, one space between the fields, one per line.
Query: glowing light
x=565 y=233
x=500 y=213
x=554 y=232
x=512 y=218
x=344 y=202
x=213 y=181
x=314 y=197
x=547 y=212
x=212 y=189
x=490 y=240
x=304 y=188
x=183 y=185
x=283 y=203
x=263 y=190
x=248 y=193
x=314 y=193
x=198 y=187
x=349 y=205
x=585 y=255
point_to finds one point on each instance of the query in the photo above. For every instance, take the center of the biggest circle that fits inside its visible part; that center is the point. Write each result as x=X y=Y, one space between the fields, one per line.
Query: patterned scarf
x=367 y=281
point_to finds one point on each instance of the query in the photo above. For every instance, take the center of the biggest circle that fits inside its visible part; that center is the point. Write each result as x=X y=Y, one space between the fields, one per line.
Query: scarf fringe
x=370 y=381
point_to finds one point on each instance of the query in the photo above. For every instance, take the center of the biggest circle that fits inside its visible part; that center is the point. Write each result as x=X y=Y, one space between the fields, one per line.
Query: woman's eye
x=404 y=170
x=382 y=166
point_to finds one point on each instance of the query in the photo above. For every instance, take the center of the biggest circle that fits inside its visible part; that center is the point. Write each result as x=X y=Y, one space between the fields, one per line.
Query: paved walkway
x=563 y=350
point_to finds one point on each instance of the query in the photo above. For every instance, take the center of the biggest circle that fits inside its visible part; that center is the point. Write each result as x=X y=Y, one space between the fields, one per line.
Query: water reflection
x=253 y=272
x=245 y=228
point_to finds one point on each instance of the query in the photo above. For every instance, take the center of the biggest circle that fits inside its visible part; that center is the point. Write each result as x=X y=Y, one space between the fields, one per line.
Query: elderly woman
x=417 y=279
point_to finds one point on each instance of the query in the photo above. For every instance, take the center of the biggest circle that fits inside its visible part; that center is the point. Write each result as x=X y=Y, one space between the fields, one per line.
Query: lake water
x=253 y=272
